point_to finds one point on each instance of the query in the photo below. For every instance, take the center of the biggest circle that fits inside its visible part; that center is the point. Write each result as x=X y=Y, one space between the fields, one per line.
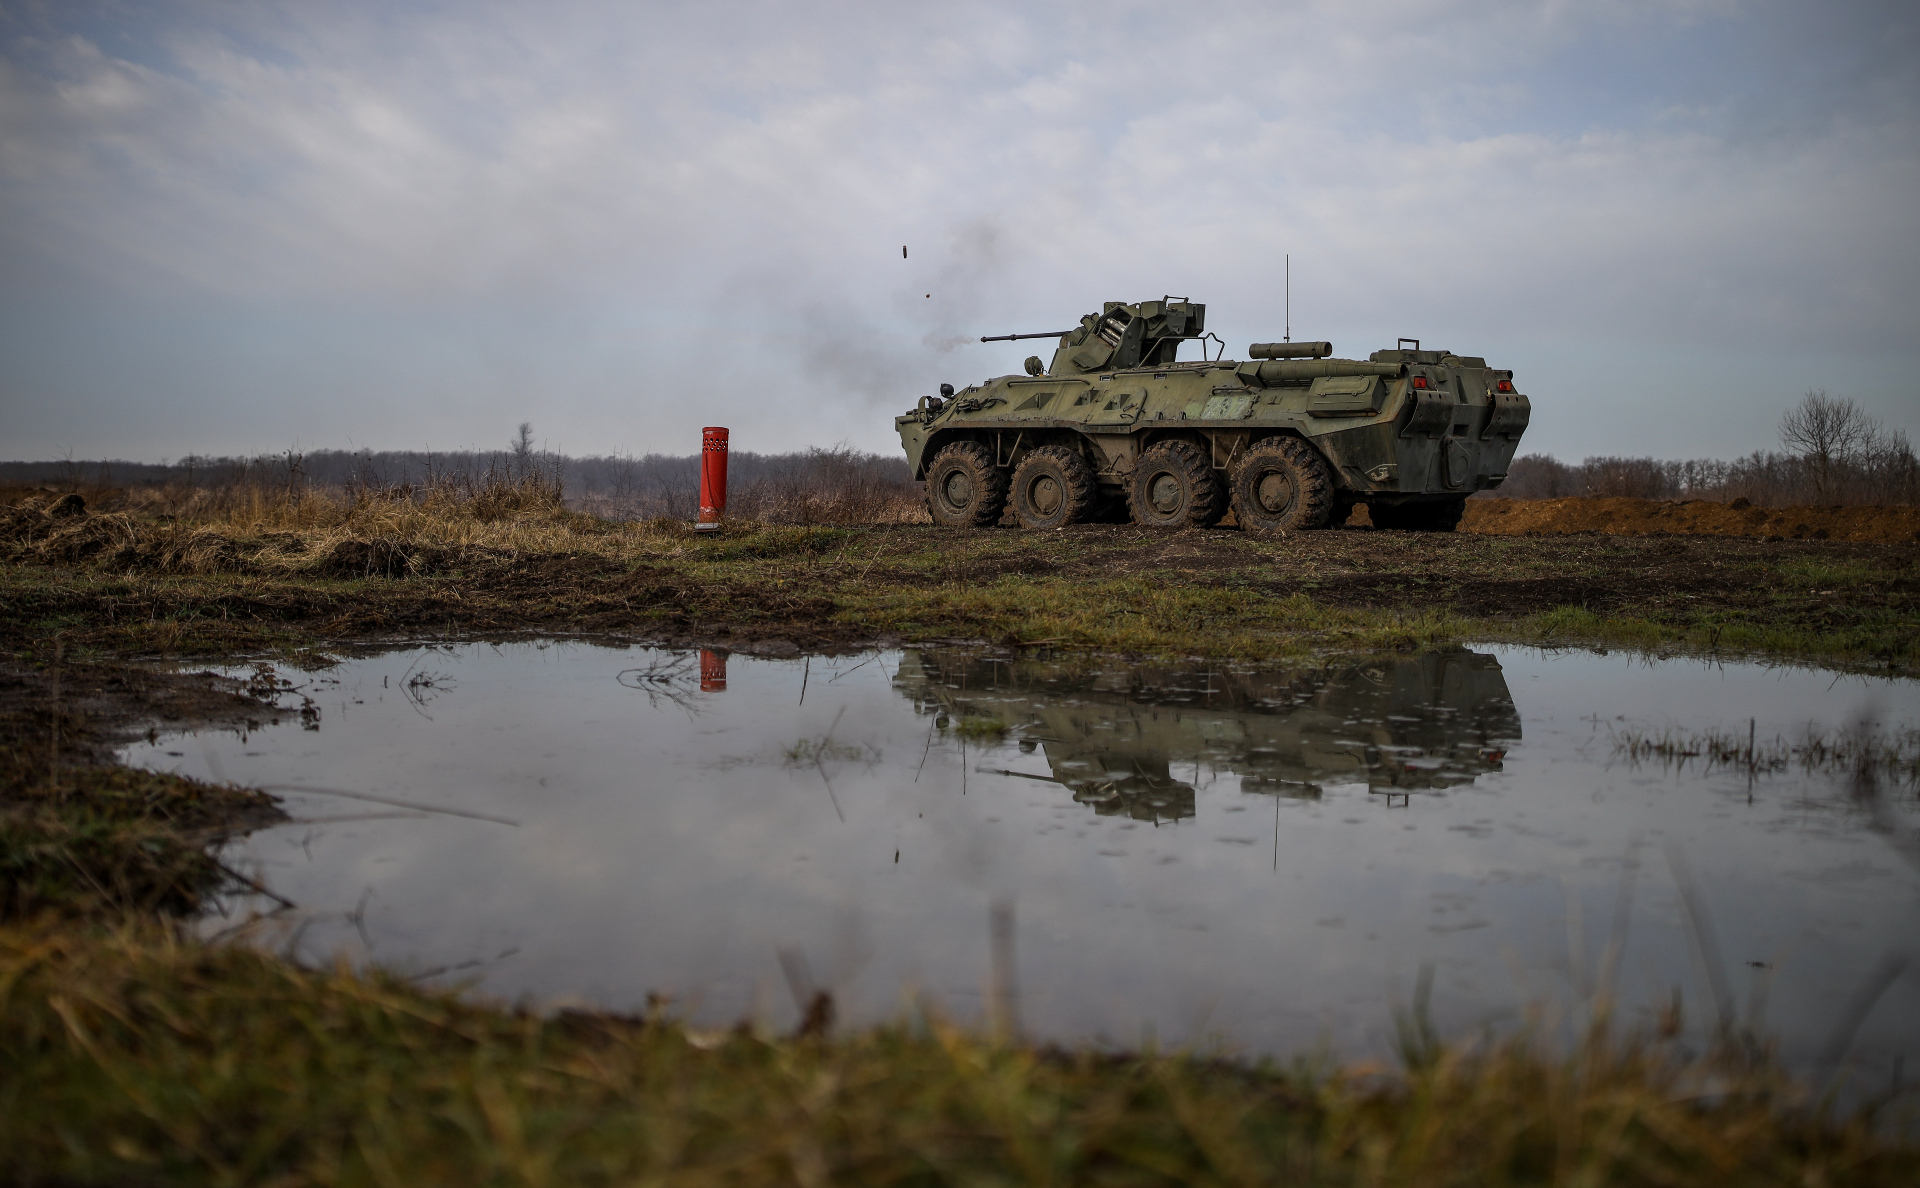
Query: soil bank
x=1691 y=517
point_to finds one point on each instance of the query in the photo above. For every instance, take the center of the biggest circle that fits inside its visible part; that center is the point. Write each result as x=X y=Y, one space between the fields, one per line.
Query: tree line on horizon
x=833 y=484
x=1832 y=452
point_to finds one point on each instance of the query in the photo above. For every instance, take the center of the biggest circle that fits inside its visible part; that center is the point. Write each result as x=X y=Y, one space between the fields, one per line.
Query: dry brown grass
x=390 y=531
x=355 y=532
x=817 y=486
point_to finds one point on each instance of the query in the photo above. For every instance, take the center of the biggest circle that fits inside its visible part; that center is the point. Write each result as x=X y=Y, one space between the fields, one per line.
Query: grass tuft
x=106 y=841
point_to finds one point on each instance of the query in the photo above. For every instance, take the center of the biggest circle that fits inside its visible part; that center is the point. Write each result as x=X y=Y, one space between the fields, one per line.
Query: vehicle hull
x=1403 y=427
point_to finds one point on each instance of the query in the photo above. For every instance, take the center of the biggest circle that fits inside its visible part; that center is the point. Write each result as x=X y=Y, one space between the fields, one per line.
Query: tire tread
x=1083 y=491
x=1209 y=502
x=990 y=480
x=1314 y=506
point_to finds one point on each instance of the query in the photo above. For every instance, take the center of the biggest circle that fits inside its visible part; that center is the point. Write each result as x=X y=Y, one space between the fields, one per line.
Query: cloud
x=401 y=224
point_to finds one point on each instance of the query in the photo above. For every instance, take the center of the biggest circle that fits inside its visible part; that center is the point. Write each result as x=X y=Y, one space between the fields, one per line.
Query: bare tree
x=296 y=473
x=522 y=447
x=1829 y=434
x=1892 y=471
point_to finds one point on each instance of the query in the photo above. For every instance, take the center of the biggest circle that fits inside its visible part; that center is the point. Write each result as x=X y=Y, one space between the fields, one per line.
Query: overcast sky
x=243 y=226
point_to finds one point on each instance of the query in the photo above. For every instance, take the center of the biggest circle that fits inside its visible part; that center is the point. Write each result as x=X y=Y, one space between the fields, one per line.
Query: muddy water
x=1269 y=858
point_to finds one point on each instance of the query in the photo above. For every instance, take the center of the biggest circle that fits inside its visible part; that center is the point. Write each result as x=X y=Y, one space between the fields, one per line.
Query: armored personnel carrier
x=1290 y=439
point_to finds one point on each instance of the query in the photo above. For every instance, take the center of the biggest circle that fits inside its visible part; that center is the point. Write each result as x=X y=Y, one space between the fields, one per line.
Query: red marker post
x=713 y=478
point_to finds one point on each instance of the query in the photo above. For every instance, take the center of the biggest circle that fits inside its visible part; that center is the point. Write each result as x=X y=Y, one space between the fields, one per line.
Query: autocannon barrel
x=1278 y=371
x=1017 y=337
x=1289 y=350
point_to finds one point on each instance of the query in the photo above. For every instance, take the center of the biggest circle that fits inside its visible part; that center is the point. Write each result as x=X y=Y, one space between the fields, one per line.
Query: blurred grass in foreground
x=132 y=1057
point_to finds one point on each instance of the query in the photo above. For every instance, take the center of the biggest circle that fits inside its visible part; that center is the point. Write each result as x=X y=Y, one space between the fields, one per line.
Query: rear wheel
x=1052 y=487
x=1282 y=485
x=1174 y=487
x=964 y=488
x=1440 y=515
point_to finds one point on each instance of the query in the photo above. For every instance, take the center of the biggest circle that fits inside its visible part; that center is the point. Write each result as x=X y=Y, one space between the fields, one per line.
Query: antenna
x=1288 y=335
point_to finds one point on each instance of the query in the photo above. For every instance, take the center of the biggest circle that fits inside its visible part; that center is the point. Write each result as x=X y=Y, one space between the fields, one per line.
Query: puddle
x=1269 y=858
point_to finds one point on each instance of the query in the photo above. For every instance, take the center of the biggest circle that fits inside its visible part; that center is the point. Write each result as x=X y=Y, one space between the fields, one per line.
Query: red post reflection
x=713 y=671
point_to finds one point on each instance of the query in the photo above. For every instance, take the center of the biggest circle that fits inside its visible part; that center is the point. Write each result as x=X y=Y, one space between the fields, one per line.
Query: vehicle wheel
x=1438 y=516
x=1053 y=486
x=964 y=488
x=1173 y=487
x=1282 y=485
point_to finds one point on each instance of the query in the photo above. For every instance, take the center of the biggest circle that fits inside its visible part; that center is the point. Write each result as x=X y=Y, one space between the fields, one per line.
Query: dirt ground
x=1691 y=517
x=1840 y=584
x=1089 y=585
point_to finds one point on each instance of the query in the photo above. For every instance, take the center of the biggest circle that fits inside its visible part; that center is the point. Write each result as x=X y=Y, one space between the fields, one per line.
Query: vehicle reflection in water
x=1117 y=736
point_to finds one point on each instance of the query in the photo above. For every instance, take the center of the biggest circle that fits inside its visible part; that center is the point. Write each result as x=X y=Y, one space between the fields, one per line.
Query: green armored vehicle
x=1288 y=440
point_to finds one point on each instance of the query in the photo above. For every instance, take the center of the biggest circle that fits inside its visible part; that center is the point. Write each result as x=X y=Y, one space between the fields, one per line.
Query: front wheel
x=964 y=488
x=1282 y=485
x=1440 y=515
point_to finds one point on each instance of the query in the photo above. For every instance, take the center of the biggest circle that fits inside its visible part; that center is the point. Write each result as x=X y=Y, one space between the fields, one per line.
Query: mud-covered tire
x=1052 y=487
x=1174 y=487
x=1281 y=485
x=964 y=488
x=1442 y=515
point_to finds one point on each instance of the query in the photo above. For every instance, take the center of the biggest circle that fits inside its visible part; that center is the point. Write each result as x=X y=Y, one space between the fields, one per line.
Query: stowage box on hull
x=1117 y=427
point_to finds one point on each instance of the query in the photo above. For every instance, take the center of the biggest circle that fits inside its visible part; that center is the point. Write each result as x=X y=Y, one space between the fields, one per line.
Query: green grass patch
x=979 y=728
x=767 y=543
x=1146 y=616
x=1827 y=573
x=1877 y=639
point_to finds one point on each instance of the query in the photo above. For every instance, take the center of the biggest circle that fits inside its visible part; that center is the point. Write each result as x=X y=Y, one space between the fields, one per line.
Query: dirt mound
x=65 y=534
x=386 y=557
x=1691 y=517
x=60 y=531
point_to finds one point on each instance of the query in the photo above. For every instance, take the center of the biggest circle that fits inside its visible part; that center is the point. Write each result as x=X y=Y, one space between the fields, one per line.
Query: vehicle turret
x=1144 y=334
